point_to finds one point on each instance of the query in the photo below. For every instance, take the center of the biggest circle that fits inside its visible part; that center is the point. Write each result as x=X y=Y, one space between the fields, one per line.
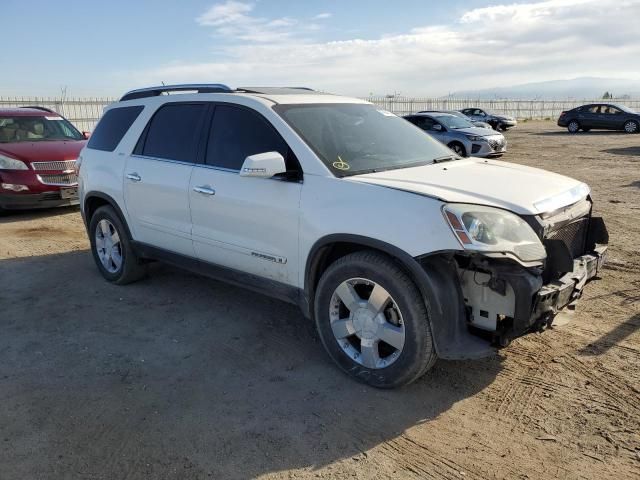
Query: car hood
x=43 y=150
x=478 y=131
x=522 y=190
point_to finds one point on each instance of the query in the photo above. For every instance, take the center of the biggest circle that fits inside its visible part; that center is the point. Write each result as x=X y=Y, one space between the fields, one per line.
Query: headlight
x=492 y=230
x=475 y=138
x=8 y=163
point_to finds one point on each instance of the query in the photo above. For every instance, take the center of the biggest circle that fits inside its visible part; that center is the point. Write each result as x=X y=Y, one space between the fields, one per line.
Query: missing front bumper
x=568 y=289
x=505 y=301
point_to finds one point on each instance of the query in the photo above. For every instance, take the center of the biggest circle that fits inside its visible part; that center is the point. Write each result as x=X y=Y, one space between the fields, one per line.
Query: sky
x=353 y=47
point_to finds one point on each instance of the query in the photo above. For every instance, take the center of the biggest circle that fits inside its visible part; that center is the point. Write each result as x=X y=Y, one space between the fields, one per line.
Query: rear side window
x=237 y=133
x=174 y=131
x=112 y=127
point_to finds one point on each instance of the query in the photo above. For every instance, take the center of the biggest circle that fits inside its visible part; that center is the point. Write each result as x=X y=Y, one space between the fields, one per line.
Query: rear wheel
x=111 y=248
x=631 y=126
x=373 y=321
x=573 y=126
x=458 y=148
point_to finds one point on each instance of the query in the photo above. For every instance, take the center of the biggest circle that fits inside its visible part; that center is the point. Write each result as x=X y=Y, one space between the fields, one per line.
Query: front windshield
x=454 y=123
x=36 y=129
x=355 y=138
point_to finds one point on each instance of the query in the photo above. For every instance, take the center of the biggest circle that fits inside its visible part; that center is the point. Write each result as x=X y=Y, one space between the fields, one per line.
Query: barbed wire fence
x=85 y=112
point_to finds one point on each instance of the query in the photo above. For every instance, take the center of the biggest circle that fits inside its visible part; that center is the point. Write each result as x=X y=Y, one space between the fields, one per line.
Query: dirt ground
x=181 y=377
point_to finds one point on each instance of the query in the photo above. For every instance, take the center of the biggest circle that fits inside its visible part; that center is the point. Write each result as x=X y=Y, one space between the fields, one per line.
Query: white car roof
x=218 y=92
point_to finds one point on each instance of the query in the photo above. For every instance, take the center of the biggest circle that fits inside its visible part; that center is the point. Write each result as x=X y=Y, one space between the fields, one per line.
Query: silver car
x=460 y=135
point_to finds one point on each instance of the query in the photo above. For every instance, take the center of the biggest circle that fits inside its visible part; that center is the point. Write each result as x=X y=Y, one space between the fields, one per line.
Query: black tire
x=418 y=353
x=631 y=126
x=573 y=126
x=132 y=268
x=458 y=148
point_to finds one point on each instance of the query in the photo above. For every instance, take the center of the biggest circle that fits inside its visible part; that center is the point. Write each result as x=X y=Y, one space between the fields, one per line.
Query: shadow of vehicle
x=613 y=338
x=591 y=133
x=179 y=376
x=10 y=216
x=623 y=151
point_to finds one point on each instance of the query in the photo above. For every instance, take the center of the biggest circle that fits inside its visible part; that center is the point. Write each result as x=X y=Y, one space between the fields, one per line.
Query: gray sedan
x=496 y=120
x=476 y=123
x=460 y=135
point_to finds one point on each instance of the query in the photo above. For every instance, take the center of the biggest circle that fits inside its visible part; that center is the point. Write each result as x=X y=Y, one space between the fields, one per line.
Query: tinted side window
x=112 y=127
x=174 y=131
x=425 y=123
x=237 y=133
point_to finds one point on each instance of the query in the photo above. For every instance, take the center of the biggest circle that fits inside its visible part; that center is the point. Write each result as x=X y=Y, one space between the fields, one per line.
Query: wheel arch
x=94 y=200
x=330 y=248
x=435 y=277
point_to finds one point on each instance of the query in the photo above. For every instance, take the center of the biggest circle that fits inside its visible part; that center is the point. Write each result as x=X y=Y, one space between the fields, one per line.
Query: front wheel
x=373 y=321
x=111 y=248
x=458 y=148
x=631 y=126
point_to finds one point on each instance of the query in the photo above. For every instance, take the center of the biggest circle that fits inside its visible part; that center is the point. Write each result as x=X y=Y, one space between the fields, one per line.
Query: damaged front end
x=509 y=293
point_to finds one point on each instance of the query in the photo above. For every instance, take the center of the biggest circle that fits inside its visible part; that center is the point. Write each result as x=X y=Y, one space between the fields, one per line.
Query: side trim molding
x=264 y=286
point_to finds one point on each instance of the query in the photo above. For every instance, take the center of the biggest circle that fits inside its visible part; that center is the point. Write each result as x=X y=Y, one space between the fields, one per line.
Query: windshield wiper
x=446 y=158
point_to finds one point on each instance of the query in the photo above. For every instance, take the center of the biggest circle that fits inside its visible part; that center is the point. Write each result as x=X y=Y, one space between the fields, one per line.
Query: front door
x=590 y=117
x=248 y=224
x=157 y=175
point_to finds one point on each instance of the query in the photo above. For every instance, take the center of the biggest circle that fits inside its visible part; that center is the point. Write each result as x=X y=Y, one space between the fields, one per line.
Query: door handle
x=205 y=190
x=134 y=177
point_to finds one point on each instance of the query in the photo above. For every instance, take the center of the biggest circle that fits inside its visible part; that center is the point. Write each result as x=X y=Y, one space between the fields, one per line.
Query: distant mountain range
x=578 y=88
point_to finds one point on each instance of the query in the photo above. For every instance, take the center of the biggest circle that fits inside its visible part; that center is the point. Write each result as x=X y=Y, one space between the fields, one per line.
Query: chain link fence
x=85 y=112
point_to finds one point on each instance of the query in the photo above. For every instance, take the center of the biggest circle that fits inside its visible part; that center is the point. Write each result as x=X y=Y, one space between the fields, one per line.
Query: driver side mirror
x=263 y=165
x=86 y=135
x=437 y=128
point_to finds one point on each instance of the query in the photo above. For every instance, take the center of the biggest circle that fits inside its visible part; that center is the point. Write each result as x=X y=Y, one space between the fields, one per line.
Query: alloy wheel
x=108 y=246
x=574 y=126
x=631 y=127
x=367 y=323
x=458 y=149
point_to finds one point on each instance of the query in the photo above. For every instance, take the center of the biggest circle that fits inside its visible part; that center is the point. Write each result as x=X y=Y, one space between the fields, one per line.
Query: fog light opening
x=14 y=187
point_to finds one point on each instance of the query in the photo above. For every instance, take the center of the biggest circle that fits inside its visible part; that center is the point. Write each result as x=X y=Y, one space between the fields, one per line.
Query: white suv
x=400 y=251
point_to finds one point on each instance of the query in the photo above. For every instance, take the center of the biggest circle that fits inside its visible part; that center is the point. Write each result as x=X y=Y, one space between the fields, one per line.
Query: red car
x=38 y=149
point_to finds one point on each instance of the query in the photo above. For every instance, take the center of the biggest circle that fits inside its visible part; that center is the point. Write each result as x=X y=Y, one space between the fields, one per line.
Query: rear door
x=157 y=175
x=248 y=224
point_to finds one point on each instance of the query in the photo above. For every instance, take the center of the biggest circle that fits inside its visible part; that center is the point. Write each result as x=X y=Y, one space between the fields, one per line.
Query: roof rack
x=44 y=109
x=159 y=90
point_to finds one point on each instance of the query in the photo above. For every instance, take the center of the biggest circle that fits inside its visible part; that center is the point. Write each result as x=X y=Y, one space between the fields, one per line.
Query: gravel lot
x=179 y=376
